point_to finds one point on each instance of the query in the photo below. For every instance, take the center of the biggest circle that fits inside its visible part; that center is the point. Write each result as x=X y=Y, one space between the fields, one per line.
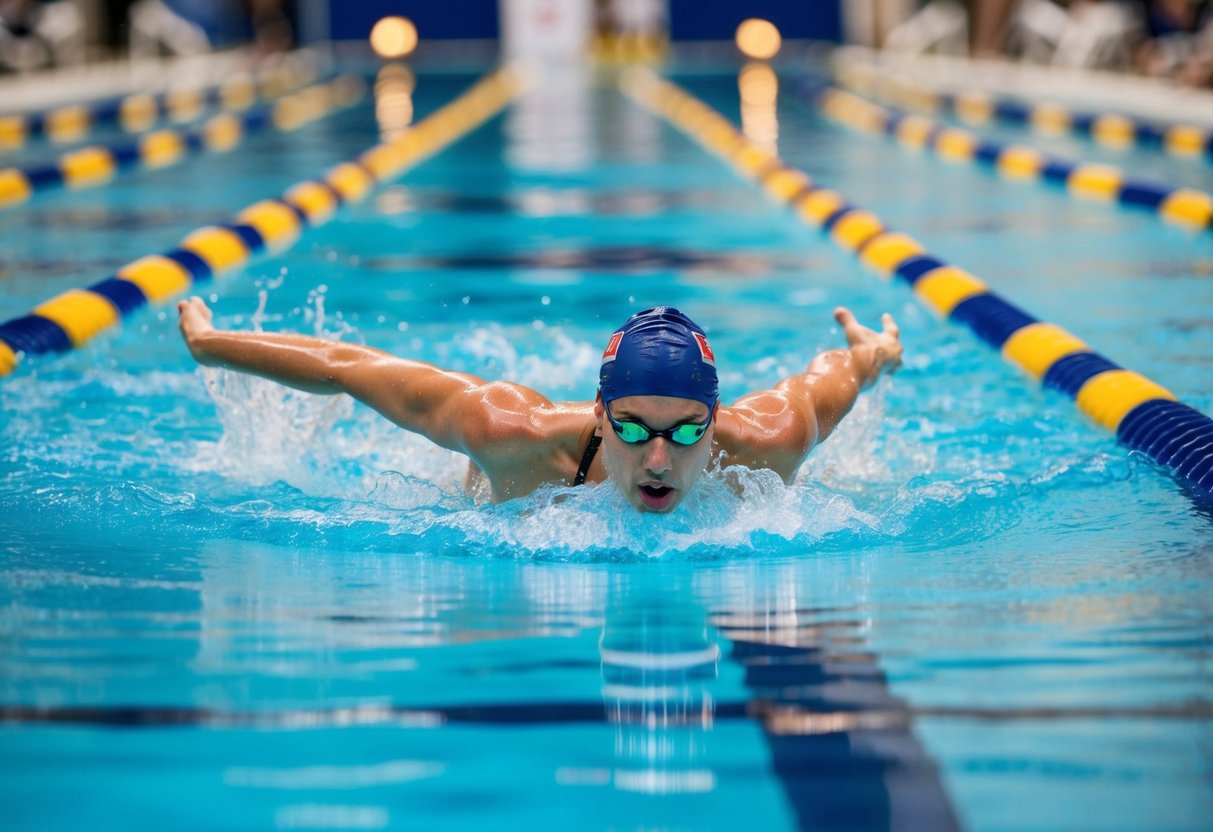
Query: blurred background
x=1161 y=38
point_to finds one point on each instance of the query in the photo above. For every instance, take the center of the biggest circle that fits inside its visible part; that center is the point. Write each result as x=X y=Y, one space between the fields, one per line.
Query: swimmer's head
x=659 y=352
x=656 y=407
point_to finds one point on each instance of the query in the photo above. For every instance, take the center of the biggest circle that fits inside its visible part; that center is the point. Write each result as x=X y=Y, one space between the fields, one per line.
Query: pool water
x=225 y=604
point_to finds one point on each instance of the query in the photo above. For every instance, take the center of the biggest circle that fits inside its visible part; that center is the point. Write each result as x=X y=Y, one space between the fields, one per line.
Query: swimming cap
x=659 y=352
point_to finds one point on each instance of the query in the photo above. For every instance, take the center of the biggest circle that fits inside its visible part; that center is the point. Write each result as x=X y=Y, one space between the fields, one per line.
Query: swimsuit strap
x=587 y=458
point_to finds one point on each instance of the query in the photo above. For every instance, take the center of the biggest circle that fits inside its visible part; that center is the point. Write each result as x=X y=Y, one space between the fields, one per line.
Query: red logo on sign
x=612 y=347
x=705 y=351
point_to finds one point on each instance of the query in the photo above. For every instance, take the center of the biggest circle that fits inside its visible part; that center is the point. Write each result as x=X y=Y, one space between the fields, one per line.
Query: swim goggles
x=637 y=433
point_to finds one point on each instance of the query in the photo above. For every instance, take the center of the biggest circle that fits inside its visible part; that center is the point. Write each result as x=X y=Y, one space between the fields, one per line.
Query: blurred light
x=759 y=89
x=394 y=37
x=758 y=39
x=758 y=85
x=394 y=100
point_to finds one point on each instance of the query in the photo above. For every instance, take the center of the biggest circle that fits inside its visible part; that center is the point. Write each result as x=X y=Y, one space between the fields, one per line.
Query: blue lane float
x=1143 y=415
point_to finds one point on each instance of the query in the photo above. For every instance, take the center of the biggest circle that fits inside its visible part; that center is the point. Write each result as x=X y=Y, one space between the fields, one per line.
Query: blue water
x=223 y=604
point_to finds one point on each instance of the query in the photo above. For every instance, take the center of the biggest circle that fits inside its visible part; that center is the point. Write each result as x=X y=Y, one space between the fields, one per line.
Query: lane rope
x=1186 y=207
x=98 y=164
x=138 y=112
x=974 y=107
x=73 y=318
x=1142 y=414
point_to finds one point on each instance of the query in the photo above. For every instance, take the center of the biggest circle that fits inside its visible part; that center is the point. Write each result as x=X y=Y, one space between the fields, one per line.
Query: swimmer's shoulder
x=763 y=433
x=539 y=444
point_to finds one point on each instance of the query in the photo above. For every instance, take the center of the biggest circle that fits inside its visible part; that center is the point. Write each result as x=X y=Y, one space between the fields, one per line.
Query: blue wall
x=689 y=19
x=707 y=20
x=439 y=19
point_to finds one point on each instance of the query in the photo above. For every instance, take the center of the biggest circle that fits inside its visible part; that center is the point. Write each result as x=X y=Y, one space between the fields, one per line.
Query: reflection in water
x=543 y=201
x=628 y=259
x=657 y=667
x=393 y=669
x=394 y=100
x=548 y=128
x=759 y=88
x=840 y=742
x=629 y=131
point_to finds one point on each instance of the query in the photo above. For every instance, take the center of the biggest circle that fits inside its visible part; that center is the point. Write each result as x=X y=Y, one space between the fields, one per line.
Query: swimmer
x=654 y=427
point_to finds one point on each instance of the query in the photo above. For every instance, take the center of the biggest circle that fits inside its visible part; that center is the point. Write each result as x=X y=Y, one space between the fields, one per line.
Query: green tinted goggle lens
x=634 y=433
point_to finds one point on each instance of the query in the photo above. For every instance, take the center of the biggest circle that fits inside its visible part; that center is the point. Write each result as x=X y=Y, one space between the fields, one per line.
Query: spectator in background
x=36 y=34
x=189 y=27
x=1177 y=41
x=1087 y=34
x=1161 y=38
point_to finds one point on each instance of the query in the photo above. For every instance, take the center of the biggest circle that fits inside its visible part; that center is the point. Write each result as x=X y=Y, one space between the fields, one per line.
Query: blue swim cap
x=659 y=352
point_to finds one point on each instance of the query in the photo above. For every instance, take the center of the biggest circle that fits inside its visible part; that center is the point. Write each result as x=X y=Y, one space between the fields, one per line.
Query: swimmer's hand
x=873 y=352
x=195 y=324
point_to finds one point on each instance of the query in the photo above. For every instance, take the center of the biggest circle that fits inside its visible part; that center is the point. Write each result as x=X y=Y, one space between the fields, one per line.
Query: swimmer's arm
x=834 y=379
x=777 y=428
x=452 y=409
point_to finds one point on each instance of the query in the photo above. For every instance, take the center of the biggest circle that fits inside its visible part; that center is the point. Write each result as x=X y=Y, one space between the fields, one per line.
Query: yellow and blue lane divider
x=136 y=113
x=73 y=318
x=974 y=107
x=1144 y=415
x=95 y=165
x=1187 y=207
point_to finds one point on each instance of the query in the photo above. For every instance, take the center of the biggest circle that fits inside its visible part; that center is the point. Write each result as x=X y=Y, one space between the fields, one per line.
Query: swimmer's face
x=654 y=475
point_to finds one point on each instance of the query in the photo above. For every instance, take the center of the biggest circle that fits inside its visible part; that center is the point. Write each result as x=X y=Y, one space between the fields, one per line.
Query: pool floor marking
x=789 y=717
x=74 y=317
x=137 y=112
x=977 y=108
x=95 y=165
x=1181 y=206
x=1136 y=409
x=841 y=744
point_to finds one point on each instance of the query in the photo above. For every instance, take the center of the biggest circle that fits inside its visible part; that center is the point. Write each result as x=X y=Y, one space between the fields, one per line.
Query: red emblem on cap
x=612 y=347
x=705 y=351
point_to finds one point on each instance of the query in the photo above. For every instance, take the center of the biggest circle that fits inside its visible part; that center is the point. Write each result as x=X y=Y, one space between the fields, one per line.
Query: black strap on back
x=587 y=459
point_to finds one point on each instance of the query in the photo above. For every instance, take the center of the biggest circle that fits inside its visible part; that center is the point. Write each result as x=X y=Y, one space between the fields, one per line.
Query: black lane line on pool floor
x=840 y=765
x=555 y=713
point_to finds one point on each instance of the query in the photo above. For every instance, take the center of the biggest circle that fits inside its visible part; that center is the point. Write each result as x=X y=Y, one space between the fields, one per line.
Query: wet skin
x=518 y=440
x=656 y=475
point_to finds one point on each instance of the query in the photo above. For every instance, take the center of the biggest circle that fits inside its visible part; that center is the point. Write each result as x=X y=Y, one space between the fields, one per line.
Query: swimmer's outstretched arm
x=784 y=423
x=835 y=378
x=455 y=410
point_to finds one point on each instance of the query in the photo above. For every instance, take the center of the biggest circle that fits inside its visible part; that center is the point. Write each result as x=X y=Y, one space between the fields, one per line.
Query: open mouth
x=656 y=495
